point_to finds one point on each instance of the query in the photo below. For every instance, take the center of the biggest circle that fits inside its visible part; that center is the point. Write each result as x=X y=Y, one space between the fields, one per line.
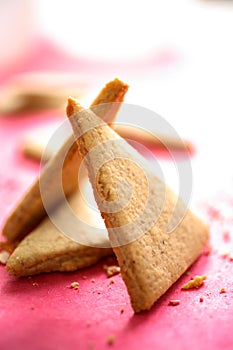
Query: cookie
x=47 y=249
x=30 y=210
x=154 y=236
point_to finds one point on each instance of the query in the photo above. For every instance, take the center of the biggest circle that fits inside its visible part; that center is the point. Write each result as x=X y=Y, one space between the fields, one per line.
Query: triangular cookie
x=30 y=210
x=46 y=249
x=138 y=211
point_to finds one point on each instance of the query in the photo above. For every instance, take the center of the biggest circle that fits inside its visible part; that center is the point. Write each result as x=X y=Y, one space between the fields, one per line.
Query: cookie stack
x=153 y=244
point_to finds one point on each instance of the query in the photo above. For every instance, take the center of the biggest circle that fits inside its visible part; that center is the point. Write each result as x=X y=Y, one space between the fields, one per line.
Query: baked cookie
x=52 y=248
x=154 y=236
x=30 y=210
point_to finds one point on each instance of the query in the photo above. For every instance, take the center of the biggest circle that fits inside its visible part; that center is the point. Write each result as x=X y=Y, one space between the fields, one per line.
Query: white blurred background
x=176 y=55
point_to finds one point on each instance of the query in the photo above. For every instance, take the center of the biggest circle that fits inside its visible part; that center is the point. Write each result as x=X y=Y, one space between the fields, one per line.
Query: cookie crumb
x=74 y=285
x=112 y=281
x=4 y=256
x=112 y=270
x=223 y=290
x=195 y=282
x=174 y=302
x=93 y=280
x=188 y=273
x=84 y=277
x=122 y=310
x=35 y=284
x=99 y=292
x=207 y=251
x=111 y=340
x=201 y=299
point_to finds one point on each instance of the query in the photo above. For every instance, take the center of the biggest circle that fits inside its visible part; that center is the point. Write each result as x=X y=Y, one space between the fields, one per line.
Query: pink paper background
x=42 y=312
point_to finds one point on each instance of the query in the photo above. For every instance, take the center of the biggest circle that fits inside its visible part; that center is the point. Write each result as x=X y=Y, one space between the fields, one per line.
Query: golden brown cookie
x=47 y=249
x=152 y=234
x=30 y=210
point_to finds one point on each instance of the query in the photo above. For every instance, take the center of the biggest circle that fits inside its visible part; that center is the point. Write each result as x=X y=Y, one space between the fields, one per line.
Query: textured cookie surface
x=139 y=212
x=30 y=210
x=47 y=249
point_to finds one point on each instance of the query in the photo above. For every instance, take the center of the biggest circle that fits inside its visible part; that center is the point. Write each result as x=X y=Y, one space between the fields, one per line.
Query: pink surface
x=47 y=56
x=42 y=312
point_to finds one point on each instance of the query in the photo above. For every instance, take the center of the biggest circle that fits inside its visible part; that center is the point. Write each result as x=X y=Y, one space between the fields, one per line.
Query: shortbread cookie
x=30 y=210
x=139 y=212
x=47 y=249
